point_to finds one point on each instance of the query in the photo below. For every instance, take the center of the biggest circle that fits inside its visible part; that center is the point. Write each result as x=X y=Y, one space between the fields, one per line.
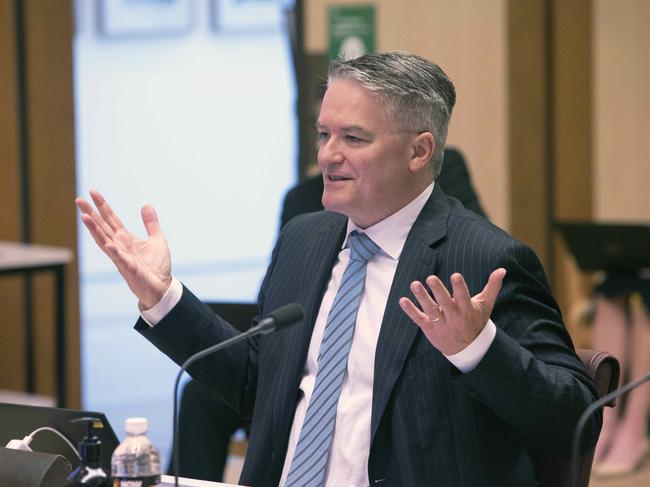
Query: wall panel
x=572 y=149
x=528 y=124
x=37 y=186
x=52 y=170
x=11 y=317
x=621 y=95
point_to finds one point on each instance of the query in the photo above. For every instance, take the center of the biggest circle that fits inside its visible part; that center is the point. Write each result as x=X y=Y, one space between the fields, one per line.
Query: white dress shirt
x=348 y=461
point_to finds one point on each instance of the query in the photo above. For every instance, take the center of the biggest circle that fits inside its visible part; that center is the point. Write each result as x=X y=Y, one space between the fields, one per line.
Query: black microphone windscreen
x=287 y=315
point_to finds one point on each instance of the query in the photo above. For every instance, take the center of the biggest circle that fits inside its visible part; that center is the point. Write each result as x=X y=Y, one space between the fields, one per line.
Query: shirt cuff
x=469 y=357
x=159 y=310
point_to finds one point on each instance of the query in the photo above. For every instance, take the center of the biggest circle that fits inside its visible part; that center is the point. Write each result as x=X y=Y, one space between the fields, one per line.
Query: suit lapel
x=320 y=253
x=417 y=261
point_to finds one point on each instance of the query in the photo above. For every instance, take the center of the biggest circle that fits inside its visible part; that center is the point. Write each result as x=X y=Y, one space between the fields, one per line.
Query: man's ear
x=423 y=148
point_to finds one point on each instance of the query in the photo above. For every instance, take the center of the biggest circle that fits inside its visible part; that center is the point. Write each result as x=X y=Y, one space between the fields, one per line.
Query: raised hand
x=449 y=322
x=144 y=264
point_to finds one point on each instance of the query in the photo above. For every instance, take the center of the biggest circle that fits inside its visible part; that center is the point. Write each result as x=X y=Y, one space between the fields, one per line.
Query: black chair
x=555 y=471
x=240 y=315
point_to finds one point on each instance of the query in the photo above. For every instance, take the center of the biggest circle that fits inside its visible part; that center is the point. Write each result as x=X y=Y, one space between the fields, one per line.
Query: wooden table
x=26 y=259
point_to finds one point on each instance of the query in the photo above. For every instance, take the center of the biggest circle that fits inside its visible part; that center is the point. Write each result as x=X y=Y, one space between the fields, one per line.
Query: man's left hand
x=449 y=322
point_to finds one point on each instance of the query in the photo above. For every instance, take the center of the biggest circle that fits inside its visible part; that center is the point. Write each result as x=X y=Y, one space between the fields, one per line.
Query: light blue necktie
x=312 y=451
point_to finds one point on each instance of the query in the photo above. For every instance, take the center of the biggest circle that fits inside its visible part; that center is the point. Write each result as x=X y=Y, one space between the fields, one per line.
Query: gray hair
x=417 y=93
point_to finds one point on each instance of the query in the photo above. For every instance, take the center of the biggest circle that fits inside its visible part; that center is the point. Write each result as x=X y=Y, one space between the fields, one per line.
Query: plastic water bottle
x=136 y=462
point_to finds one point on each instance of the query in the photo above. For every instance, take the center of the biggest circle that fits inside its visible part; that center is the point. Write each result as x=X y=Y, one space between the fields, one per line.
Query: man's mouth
x=335 y=178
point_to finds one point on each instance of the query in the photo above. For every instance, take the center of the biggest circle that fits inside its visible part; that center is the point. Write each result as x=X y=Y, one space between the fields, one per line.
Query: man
x=206 y=422
x=460 y=399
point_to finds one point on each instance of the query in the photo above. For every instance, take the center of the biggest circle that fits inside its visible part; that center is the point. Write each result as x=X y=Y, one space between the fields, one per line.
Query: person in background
x=418 y=362
x=622 y=327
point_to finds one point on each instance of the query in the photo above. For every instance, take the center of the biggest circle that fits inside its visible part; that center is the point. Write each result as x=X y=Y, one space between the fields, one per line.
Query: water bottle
x=136 y=462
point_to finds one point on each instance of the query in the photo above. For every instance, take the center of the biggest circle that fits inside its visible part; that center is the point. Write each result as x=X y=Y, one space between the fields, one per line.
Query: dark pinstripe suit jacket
x=431 y=424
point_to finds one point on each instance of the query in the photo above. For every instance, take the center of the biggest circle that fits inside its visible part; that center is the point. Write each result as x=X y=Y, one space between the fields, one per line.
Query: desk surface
x=15 y=256
x=168 y=481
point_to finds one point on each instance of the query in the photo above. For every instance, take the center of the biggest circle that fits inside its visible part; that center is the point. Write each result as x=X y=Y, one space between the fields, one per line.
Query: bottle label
x=137 y=482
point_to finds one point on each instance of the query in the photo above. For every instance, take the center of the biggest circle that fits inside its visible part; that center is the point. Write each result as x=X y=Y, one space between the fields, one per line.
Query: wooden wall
x=621 y=97
x=11 y=376
x=37 y=182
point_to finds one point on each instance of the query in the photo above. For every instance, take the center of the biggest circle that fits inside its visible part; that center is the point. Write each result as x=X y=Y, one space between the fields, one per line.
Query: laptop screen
x=18 y=421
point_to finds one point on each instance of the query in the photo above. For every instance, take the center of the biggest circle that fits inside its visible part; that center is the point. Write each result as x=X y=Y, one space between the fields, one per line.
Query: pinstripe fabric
x=312 y=450
x=430 y=425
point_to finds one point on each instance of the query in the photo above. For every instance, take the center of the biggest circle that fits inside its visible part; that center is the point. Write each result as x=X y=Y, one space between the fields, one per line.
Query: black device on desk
x=607 y=246
x=18 y=421
x=32 y=469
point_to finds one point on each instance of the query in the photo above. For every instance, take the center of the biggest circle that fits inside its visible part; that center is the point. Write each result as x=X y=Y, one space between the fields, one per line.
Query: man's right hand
x=144 y=264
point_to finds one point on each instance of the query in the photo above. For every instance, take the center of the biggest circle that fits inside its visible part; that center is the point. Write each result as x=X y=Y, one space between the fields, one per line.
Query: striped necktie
x=312 y=450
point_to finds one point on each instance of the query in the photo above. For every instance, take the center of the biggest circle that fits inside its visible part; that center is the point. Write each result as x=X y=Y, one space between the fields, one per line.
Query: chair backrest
x=239 y=315
x=604 y=369
x=555 y=471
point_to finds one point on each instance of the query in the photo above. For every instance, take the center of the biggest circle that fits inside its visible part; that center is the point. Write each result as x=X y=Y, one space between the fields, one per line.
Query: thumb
x=150 y=220
x=493 y=286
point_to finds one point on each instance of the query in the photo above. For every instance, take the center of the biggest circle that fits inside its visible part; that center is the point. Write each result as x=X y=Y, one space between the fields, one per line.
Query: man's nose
x=330 y=152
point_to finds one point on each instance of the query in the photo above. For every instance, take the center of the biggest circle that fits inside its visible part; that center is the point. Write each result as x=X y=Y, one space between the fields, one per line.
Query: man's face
x=363 y=157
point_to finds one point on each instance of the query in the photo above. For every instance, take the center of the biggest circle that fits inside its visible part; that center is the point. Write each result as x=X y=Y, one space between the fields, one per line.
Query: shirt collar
x=391 y=232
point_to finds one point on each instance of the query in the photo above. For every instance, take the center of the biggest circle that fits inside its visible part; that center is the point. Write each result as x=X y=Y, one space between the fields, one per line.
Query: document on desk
x=168 y=481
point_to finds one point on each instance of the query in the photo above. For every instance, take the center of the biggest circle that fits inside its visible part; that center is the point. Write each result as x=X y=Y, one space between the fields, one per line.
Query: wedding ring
x=439 y=316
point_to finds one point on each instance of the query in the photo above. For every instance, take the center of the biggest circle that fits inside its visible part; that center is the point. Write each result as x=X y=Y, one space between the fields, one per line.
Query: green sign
x=351 y=30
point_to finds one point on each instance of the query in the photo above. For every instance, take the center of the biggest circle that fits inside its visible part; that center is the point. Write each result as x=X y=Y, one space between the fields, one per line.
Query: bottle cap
x=136 y=426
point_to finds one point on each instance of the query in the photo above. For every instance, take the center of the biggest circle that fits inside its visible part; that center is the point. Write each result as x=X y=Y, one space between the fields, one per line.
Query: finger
x=493 y=286
x=150 y=220
x=97 y=234
x=461 y=293
x=83 y=205
x=106 y=211
x=428 y=305
x=88 y=209
x=413 y=312
x=440 y=293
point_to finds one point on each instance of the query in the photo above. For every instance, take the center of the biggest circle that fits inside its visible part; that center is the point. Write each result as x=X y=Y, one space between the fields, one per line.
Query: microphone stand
x=588 y=412
x=280 y=318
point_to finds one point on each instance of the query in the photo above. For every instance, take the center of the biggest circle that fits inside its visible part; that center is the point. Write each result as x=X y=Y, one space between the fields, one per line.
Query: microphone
x=278 y=319
x=589 y=411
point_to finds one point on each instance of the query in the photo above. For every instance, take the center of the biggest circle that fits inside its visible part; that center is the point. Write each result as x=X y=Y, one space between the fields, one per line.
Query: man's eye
x=352 y=138
x=322 y=135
